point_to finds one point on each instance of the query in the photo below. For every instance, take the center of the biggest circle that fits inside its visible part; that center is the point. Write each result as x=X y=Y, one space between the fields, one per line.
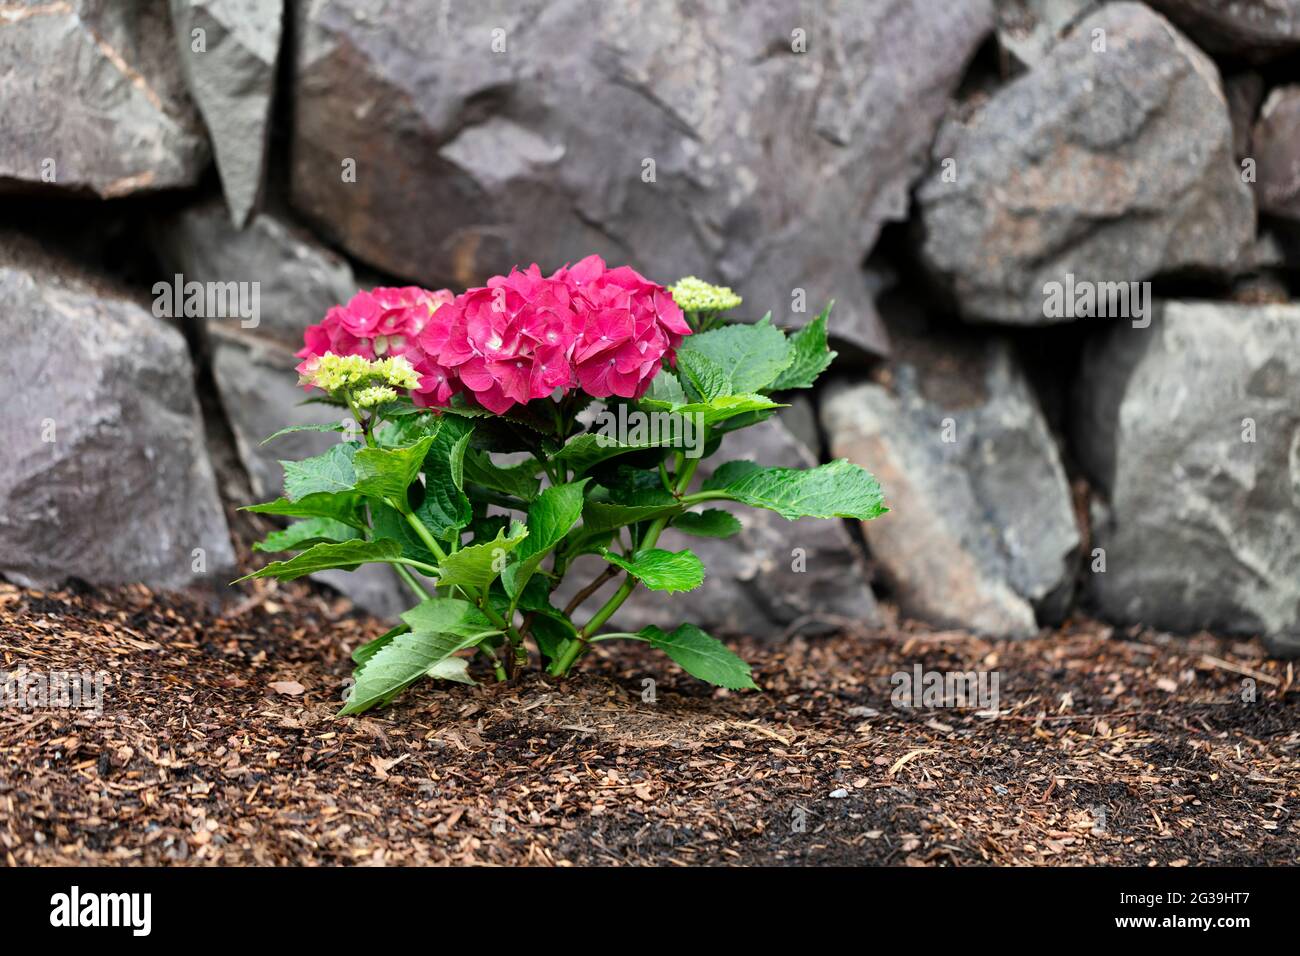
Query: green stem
x=421 y=593
x=425 y=535
x=490 y=654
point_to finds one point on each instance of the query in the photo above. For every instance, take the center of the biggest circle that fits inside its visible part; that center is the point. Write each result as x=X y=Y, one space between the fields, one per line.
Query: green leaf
x=386 y=473
x=446 y=508
x=324 y=504
x=634 y=496
x=661 y=570
x=750 y=357
x=727 y=406
x=305 y=533
x=454 y=669
x=322 y=427
x=591 y=448
x=519 y=480
x=390 y=523
x=439 y=628
x=810 y=354
x=330 y=472
x=703 y=374
x=665 y=391
x=478 y=565
x=370 y=648
x=322 y=557
x=556 y=510
x=709 y=523
x=702 y=656
x=840 y=489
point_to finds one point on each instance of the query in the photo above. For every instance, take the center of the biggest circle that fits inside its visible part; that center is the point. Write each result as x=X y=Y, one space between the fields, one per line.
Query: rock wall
x=1062 y=235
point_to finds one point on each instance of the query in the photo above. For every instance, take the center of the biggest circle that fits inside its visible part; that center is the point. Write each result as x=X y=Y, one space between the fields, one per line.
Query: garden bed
x=217 y=745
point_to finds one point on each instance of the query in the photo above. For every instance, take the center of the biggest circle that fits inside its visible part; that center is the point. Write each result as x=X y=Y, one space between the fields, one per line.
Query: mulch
x=217 y=745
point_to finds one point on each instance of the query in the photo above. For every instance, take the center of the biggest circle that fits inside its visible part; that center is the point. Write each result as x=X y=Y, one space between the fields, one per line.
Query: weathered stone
x=259 y=394
x=753 y=585
x=1244 y=92
x=1027 y=29
x=1276 y=145
x=1191 y=430
x=297 y=278
x=105 y=475
x=228 y=50
x=1257 y=29
x=1107 y=166
x=981 y=534
x=771 y=170
x=94 y=100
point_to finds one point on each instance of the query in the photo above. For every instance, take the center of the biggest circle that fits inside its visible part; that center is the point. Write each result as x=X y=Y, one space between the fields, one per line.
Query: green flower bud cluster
x=377 y=379
x=696 y=295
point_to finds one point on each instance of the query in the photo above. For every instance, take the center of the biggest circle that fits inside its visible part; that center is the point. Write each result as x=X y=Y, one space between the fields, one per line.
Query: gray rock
x=1276 y=144
x=1203 y=527
x=981 y=534
x=1244 y=93
x=1028 y=29
x=751 y=585
x=1257 y=29
x=94 y=100
x=257 y=386
x=773 y=170
x=1108 y=166
x=228 y=50
x=105 y=475
x=298 y=279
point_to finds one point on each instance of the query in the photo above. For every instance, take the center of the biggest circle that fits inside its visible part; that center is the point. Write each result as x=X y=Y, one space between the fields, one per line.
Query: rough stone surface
x=1258 y=29
x=1027 y=29
x=1203 y=526
x=298 y=278
x=773 y=170
x=123 y=492
x=751 y=587
x=256 y=383
x=981 y=533
x=1244 y=92
x=93 y=88
x=228 y=51
x=1276 y=143
x=1109 y=166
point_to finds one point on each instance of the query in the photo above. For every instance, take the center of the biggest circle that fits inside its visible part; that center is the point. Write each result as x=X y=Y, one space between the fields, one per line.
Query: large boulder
x=94 y=99
x=981 y=533
x=683 y=138
x=1256 y=29
x=105 y=475
x=1105 y=165
x=228 y=50
x=1276 y=144
x=297 y=278
x=1191 y=430
x=774 y=576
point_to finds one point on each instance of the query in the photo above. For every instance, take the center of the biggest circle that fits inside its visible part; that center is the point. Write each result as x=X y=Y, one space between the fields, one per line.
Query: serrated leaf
x=322 y=427
x=661 y=570
x=386 y=473
x=702 y=375
x=591 y=448
x=709 y=523
x=665 y=391
x=305 y=533
x=477 y=565
x=550 y=517
x=519 y=480
x=750 y=357
x=348 y=555
x=446 y=508
x=370 y=648
x=702 y=655
x=727 y=406
x=390 y=523
x=331 y=472
x=610 y=508
x=810 y=355
x=439 y=628
x=840 y=489
x=325 y=504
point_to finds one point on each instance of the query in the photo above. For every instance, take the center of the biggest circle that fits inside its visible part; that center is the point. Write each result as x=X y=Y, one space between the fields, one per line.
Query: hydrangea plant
x=493 y=437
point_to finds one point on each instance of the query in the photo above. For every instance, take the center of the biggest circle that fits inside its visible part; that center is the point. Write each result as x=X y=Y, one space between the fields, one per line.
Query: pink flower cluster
x=520 y=337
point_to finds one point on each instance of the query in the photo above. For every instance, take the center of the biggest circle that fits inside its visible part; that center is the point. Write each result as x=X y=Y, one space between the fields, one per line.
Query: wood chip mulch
x=217 y=745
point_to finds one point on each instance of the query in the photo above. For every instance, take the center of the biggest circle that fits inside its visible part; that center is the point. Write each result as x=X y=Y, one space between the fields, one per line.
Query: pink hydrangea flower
x=518 y=338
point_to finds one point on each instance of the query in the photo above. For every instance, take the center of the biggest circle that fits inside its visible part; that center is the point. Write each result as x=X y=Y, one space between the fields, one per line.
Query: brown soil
x=206 y=752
